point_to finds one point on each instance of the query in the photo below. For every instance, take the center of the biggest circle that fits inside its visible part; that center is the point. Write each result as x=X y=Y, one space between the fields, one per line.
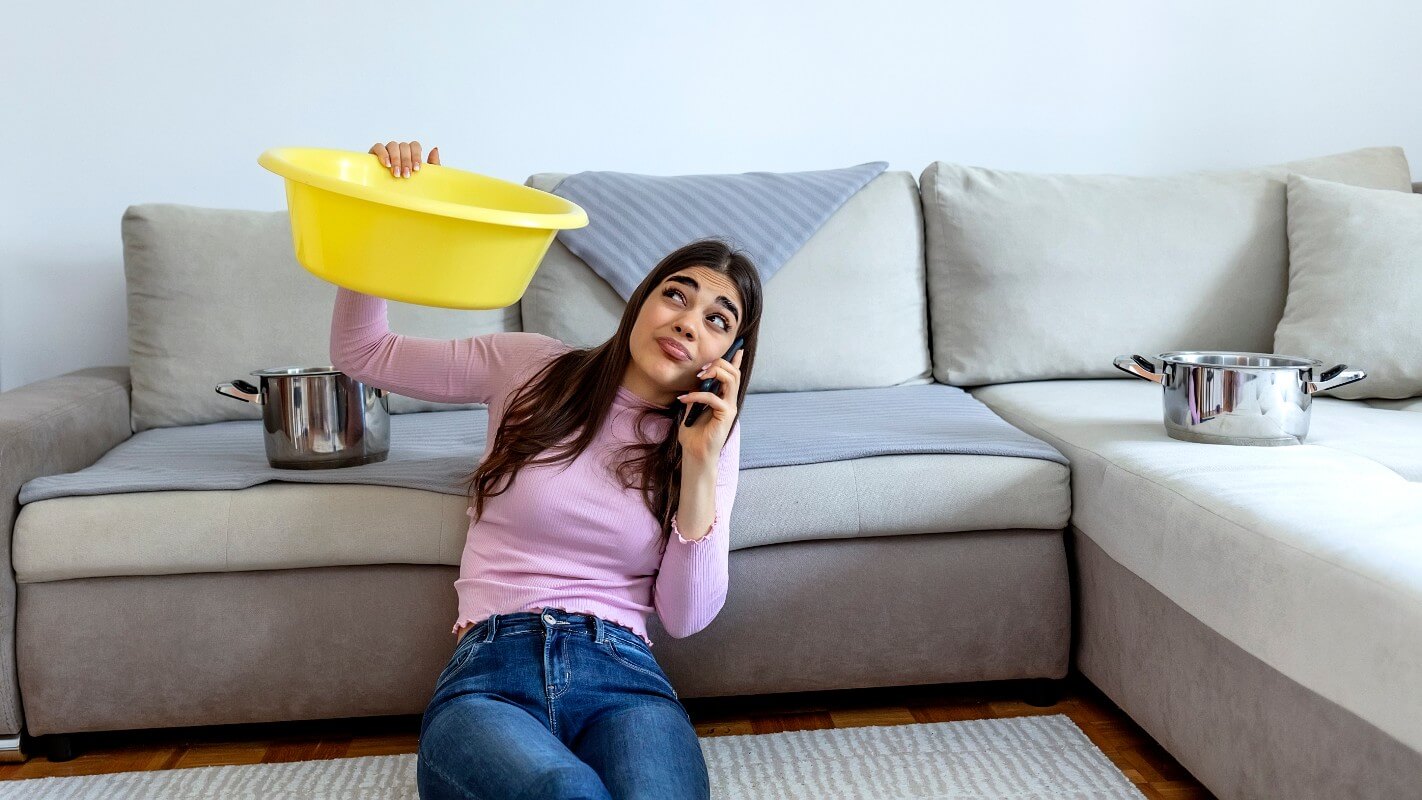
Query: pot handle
x=1333 y=378
x=1139 y=367
x=241 y=390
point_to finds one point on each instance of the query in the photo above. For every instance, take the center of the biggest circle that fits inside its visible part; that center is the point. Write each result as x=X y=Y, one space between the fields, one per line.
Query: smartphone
x=711 y=385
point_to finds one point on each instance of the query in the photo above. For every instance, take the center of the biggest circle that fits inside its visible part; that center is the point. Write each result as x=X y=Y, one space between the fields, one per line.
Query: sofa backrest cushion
x=847 y=311
x=1355 y=285
x=1046 y=276
x=214 y=294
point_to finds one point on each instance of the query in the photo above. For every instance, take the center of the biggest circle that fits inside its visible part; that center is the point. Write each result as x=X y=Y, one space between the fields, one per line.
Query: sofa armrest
x=58 y=425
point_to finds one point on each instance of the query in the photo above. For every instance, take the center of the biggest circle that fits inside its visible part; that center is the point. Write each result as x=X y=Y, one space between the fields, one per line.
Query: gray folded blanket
x=434 y=450
x=635 y=220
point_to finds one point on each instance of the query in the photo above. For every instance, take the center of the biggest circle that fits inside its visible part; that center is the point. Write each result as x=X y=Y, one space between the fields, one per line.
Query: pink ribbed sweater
x=565 y=536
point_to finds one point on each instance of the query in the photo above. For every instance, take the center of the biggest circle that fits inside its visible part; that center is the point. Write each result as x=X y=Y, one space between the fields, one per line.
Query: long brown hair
x=574 y=392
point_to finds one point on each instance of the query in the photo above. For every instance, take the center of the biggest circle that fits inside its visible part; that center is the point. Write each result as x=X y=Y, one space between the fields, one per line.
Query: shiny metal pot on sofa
x=1231 y=397
x=317 y=417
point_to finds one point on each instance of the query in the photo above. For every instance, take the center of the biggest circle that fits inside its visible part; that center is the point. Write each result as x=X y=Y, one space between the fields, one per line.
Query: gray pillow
x=214 y=294
x=1046 y=276
x=1355 y=285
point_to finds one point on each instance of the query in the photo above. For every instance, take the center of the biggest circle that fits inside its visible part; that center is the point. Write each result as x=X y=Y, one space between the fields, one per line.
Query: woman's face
x=697 y=308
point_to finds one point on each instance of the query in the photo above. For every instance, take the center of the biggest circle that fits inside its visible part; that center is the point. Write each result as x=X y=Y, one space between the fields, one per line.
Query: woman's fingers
x=402 y=158
x=719 y=370
x=703 y=397
x=721 y=366
x=393 y=148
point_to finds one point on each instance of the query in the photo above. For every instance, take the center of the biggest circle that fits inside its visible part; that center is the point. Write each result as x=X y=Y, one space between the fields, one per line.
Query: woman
x=552 y=689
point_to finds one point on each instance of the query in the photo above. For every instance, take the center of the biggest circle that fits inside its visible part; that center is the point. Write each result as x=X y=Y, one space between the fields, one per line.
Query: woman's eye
x=725 y=323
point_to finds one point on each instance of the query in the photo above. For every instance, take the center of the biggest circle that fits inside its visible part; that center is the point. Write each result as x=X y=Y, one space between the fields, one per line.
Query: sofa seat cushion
x=1403 y=404
x=281 y=525
x=1309 y=557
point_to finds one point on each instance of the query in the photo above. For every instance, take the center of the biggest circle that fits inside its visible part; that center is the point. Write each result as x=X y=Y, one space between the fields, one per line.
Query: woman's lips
x=673 y=351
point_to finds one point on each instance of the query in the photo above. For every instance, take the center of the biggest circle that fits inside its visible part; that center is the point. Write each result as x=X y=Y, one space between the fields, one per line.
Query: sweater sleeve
x=470 y=370
x=692 y=581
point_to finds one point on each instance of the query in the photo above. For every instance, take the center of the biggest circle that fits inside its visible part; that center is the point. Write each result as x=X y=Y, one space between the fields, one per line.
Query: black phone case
x=711 y=385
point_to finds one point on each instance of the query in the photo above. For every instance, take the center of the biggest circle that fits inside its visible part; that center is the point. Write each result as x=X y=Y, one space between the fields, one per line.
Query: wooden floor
x=1152 y=770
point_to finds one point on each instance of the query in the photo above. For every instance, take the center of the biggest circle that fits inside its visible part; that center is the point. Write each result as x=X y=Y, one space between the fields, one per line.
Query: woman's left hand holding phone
x=701 y=443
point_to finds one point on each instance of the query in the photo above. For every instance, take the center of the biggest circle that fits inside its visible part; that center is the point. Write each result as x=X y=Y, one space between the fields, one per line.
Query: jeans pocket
x=462 y=653
x=637 y=657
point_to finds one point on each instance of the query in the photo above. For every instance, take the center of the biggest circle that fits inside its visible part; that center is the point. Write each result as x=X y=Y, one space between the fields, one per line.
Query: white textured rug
x=1044 y=757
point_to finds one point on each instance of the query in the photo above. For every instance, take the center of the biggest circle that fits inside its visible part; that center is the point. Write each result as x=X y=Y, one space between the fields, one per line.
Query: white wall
x=109 y=105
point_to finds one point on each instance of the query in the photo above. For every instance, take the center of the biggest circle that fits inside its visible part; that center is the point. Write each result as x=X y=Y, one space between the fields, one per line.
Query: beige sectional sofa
x=1256 y=609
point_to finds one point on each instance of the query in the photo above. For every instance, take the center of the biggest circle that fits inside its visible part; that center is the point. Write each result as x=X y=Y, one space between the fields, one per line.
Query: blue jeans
x=556 y=705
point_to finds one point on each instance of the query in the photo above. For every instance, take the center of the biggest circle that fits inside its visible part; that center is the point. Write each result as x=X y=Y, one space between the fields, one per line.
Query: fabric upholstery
x=1044 y=276
x=299 y=525
x=436 y=450
x=847 y=311
x=213 y=648
x=1405 y=404
x=214 y=294
x=60 y=424
x=635 y=220
x=1307 y=557
x=1242 y=728
x=1355 y=285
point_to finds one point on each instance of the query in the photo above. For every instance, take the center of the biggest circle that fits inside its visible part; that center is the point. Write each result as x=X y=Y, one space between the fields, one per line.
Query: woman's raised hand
x=702 y=442
x=402 y=158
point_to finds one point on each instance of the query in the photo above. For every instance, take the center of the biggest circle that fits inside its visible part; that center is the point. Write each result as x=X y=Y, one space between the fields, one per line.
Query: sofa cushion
x=1044 y=276
x=854 y=291
x=1309 y=557
x=283 y=525
x=1405 y=404
x=1355 y=285
x=214 y=294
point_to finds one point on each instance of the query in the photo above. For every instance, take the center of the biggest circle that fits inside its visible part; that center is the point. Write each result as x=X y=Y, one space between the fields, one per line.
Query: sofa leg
x=58 y=746
x=1042 y=691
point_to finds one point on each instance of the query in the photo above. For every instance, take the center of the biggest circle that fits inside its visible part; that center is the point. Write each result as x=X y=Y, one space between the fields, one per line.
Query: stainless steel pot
x=1230 y=397
x=317 y=417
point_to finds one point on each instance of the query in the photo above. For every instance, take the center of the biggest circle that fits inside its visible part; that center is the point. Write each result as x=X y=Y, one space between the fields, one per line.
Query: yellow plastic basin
x=441 y=237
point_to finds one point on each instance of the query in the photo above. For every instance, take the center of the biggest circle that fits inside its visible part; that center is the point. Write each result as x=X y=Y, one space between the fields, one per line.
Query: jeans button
x=548 y=618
